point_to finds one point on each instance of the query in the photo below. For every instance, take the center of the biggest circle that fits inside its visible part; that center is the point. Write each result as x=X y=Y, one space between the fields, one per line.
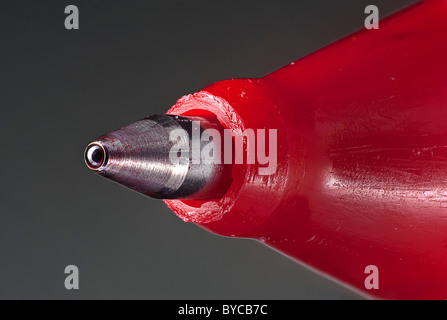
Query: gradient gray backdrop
x=59 y=89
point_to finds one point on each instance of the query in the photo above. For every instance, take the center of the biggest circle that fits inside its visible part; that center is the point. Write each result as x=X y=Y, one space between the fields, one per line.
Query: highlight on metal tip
x=95 y=156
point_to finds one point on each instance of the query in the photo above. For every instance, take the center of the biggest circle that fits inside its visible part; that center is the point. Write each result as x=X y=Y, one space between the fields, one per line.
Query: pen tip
x=140 y=156
x=95 y=156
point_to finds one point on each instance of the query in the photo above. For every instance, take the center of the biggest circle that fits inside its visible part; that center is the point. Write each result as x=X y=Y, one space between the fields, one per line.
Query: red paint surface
x=362 y=157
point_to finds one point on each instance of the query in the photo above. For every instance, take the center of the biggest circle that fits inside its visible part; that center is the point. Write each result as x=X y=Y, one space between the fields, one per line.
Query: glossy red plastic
x=362 y=157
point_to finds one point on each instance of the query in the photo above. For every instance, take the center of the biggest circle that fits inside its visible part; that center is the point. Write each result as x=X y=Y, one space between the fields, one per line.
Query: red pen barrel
x=361 y=170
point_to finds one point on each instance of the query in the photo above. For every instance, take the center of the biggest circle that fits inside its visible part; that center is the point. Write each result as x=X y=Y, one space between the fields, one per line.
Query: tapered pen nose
x=153 y=156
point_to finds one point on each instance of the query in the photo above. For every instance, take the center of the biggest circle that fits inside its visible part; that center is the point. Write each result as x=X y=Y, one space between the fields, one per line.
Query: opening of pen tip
x=95 y=156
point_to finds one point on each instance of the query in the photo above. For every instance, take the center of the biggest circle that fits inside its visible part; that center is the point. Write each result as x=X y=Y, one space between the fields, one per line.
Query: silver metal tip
x=95 y=156
x=140 y=156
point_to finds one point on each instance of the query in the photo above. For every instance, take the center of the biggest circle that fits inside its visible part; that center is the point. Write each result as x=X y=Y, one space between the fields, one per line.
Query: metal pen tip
x=95 y=156
x=145 y=157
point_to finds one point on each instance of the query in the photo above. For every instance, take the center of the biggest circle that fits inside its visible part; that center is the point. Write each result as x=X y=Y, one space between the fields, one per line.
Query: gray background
x=60 y=89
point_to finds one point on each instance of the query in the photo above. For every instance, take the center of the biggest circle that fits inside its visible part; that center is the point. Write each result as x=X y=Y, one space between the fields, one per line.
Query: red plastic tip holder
x=361 y=175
